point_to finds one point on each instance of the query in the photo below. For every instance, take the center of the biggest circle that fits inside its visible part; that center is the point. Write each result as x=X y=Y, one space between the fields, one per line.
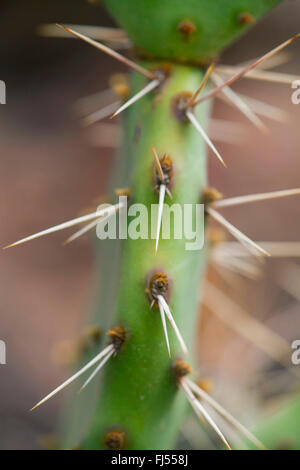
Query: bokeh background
x=52 y=169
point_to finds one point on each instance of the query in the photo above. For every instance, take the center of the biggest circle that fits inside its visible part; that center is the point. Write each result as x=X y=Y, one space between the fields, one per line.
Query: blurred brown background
x=51 y=170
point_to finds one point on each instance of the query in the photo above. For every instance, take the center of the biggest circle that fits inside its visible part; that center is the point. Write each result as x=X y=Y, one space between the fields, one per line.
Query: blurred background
x=52 y=169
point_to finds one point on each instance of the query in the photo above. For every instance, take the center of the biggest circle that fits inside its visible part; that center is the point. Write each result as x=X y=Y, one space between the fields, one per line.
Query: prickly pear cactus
x=144 y=362
x=142 y=396
x=139 y=404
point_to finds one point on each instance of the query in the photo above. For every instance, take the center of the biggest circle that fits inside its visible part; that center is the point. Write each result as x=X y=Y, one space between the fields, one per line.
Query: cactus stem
x=112 y=53
x=250 y=244
x=149 y=87
x=201 y=131
x=247 y=69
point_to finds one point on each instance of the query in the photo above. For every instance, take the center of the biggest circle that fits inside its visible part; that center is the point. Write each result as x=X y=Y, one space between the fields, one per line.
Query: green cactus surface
x=135 y=402
x=141 y=374
x=189 y=30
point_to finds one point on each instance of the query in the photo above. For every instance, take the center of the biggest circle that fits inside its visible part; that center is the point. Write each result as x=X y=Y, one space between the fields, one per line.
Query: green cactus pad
x=186 y=30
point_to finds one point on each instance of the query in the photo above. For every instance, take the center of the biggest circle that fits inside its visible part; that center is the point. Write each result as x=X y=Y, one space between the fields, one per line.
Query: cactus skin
x=138 y=395
x=155 y=26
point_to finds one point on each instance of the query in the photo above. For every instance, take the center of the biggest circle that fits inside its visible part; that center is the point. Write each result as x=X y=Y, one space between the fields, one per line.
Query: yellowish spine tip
x=8 y=246
x=13 y=244
x=34 y=407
